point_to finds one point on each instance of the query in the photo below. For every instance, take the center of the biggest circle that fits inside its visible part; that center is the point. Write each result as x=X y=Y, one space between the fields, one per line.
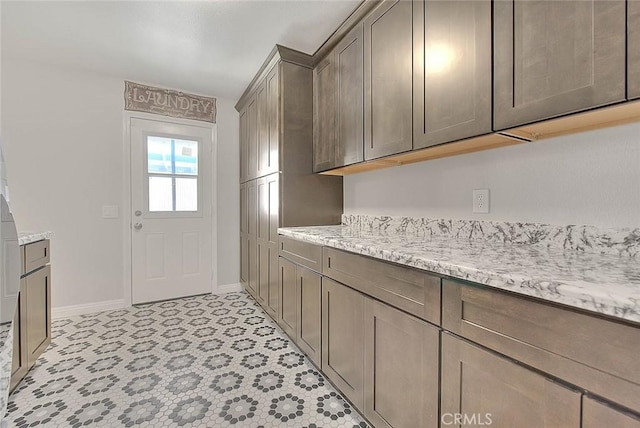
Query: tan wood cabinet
x=451 y=70
x=483 y=388
x=270 y=153
x=300 y=291
x=547 y=65
x=309 y=302
x=596 y=414
x=550 y=339
x=32 y=321
x=38 y=310
x=401 y=366
x=388 y=44
x=267 y=241
x=339 y=104
x=288 y=311
x=324 y=113
x=244 y=146
x=280 y=188
x=252 y=138
x=19 y=362
x=343 y=339
x=244 y=235
x=252 y=237
x=633 y=49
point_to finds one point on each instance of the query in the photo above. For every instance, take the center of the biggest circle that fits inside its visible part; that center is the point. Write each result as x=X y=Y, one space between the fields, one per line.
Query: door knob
x=137 y=226
x=138 y=213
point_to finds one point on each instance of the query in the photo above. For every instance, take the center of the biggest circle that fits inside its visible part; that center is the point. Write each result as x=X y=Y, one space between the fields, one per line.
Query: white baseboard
x=88 y=308
x=228 y=288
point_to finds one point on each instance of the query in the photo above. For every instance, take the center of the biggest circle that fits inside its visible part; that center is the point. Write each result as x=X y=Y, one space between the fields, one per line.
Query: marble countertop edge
x=30 y=236
x=577 y=294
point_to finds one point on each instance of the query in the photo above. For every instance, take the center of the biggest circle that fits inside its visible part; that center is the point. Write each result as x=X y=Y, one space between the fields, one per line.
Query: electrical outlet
x=481 y=201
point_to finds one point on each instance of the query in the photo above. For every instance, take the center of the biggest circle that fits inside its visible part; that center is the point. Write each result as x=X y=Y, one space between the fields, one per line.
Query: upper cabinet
x=349 y=72
x=451 y=70
x=324 y=112
x=556 y=57
x=633 y=49
x=259 y=130
x=244 y=147
x=338 y=85
x=269 y=151
x=388 y=44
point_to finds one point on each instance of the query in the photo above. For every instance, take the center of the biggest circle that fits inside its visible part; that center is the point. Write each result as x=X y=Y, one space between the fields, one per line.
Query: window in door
x=171 y=175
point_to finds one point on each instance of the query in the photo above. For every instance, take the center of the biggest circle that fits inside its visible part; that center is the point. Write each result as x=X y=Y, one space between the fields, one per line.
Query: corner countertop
x=31 y=236
x=603 y=283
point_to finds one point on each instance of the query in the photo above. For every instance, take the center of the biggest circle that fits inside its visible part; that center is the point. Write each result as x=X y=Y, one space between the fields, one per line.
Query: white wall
x=590 y=178
x=62 y=134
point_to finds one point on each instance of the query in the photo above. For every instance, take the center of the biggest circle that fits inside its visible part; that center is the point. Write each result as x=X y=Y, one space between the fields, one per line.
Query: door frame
x=127 y=217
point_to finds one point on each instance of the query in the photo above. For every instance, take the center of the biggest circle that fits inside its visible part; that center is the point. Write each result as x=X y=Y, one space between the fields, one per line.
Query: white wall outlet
x=109 y=211
x=481 y=201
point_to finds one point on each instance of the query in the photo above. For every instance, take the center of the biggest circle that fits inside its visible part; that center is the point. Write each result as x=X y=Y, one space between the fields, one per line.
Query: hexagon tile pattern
x=203 y=361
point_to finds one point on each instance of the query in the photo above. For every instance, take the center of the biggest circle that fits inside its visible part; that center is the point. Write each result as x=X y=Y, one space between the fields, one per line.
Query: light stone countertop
x=604 y=283
x=30 y=236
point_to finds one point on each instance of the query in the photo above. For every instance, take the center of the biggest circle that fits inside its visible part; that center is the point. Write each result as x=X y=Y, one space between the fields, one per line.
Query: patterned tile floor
x=207 y=361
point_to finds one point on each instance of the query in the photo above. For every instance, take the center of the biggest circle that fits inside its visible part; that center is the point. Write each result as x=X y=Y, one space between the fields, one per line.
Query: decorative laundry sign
x=167 y=102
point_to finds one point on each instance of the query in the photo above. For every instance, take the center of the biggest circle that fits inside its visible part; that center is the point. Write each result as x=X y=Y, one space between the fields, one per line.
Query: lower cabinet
x=299 y=315
x=32 y=320
x=596 y=414
x=267 y=293
x=38 y=307
x=288 y=313
x=19 y=361
x=482 y=388
x=401 y=366
x=309 y=331
x=343 y=339
x=384 y=360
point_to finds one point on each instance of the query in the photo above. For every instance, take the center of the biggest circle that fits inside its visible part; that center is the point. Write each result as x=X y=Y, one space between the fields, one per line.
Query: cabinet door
x=244 y=231
x=324 y=112
x=271 y=239
x=388 y=47
x=262 y=288
x=252 y=139
x=252 y=236
x=38 y=310
x=309 y=315
x=244 y=147
x=287 y=313
x=262 y=161
x=556 y=57
x=349 y=74
x=19 y=361
x=452 y=70
x=633 y=49
x=272 y=156
x=497 y=392
x=597 y=415
x=401 y=368
x=342 y=339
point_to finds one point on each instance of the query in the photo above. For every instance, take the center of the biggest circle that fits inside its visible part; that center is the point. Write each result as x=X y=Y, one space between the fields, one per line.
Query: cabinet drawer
x=302 y=253
x=493 y=391
x=36 y=255
x=593 y=353
x=596 y=414
x=411 y=290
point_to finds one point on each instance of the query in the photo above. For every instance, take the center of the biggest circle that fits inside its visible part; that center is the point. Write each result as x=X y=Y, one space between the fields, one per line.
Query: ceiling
x=206 y=47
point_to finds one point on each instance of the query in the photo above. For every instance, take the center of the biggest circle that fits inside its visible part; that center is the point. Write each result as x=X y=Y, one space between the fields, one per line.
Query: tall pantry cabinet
x=277 y=184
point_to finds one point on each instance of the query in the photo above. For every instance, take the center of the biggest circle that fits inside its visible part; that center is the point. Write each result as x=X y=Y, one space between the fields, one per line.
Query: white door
x=171 y=210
